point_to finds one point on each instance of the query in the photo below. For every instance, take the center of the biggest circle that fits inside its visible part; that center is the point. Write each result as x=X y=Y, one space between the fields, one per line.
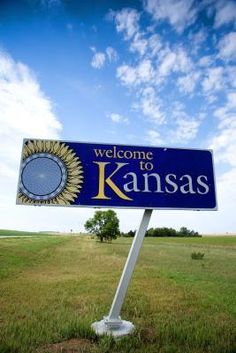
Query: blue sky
x=149 y=72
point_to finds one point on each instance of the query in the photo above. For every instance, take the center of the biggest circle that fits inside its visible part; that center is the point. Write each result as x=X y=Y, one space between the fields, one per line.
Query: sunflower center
x=43 y=176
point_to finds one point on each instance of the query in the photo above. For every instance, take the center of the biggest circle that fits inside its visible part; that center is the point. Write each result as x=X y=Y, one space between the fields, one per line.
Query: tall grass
x=53 y=288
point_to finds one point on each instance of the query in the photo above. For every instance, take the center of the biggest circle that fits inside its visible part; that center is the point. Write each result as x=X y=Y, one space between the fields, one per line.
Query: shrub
x=197 y=255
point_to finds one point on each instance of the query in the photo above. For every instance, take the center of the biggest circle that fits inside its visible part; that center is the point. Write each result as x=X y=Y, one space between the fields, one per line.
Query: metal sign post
x=112 y=324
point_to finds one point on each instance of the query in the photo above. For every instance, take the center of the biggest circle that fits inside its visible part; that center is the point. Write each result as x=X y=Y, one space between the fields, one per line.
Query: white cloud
x=188 y=82
x=133 y=76
x=128 y=75
x=214 y=80
x=145 y=71
x=225 y=13
x=154 y=45
x=25 y=111
x=224 y=141
x=226 y=189
x=232 y=99
x=174 y=61
x=227 y=46
x=206 y=60
x=179 y=13
x=139 y=44
x=111 y=54
x=231 y=75
x=150 y=106
x=98 y=60
x=186 y=129
x=153 y=138
x=167 y=64
x=127 y=22
x=197 y=39
x=117 y=118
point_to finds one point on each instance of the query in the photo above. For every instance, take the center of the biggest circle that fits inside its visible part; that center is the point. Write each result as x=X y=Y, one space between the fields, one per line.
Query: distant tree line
x=105 y=225
x=164 y=232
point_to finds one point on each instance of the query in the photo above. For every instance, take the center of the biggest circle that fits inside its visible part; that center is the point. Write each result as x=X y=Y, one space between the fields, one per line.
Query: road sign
x=61 y=173
x=108 y=175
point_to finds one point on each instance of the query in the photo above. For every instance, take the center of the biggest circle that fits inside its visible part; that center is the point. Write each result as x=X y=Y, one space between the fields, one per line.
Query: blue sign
x=107 y=175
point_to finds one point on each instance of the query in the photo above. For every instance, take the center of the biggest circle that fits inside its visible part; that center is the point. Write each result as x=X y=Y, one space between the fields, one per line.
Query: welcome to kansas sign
x=101 y=175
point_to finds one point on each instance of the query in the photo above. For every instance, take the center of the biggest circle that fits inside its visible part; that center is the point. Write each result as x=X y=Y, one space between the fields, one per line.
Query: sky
x=148 y=72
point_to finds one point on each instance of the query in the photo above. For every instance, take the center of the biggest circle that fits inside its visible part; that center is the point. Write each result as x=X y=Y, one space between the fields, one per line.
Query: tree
x=130 y=233
x=104 y=224
x=161 y=232
x=185 y=232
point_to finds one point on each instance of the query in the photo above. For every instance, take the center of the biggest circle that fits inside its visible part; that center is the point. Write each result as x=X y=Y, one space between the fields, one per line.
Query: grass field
x=18 y=233
x=53 y=288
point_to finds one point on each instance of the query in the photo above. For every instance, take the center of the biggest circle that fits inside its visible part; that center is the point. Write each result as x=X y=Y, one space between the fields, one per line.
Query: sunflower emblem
x=51 y=173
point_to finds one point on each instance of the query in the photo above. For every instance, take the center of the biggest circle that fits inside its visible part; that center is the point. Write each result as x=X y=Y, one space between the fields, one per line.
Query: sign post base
x=116 y=328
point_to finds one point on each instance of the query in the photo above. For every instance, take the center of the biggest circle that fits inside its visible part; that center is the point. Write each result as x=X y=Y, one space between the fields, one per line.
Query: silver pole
x=112 y=324
x=118 y=300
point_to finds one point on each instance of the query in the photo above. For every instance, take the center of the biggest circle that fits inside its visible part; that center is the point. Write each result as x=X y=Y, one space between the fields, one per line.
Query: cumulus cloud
x=127 y=75
x=227 y=46
x=179 y=13
x=164 y=65
x=118 y=119
x=150 y=106
x=205 y=61
x=25 y=111
x=224 y=142
x=133 y=76
x=197 y=39
x=214 y=80
x=153 y=138
x=139 y=44
x=154 y=45
x=112 y=54
x=231 y=76
x=98 y=60
x=170 y=61
x=225 y=13
x=188 y=82
x=186 y=129
x=126 y=21
x=176 y=60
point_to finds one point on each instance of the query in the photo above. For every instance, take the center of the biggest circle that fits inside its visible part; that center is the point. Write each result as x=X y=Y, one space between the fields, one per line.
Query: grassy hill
x=10 y=232
x=53 y=288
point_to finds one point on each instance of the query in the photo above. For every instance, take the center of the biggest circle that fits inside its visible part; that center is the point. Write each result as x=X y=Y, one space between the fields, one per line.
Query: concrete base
x=116 y=328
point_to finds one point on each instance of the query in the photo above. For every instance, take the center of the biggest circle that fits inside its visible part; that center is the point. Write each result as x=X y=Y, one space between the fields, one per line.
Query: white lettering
x=171 y=183
x=204 y=185
x=188 y=187
x=146 y=182
x=131 y=185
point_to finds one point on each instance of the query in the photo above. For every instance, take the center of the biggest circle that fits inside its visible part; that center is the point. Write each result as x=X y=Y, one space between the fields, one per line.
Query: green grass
x=17 y=233
x=53 y=288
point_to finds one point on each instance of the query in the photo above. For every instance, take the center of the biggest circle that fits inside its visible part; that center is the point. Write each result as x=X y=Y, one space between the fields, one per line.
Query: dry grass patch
x=75 y=345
